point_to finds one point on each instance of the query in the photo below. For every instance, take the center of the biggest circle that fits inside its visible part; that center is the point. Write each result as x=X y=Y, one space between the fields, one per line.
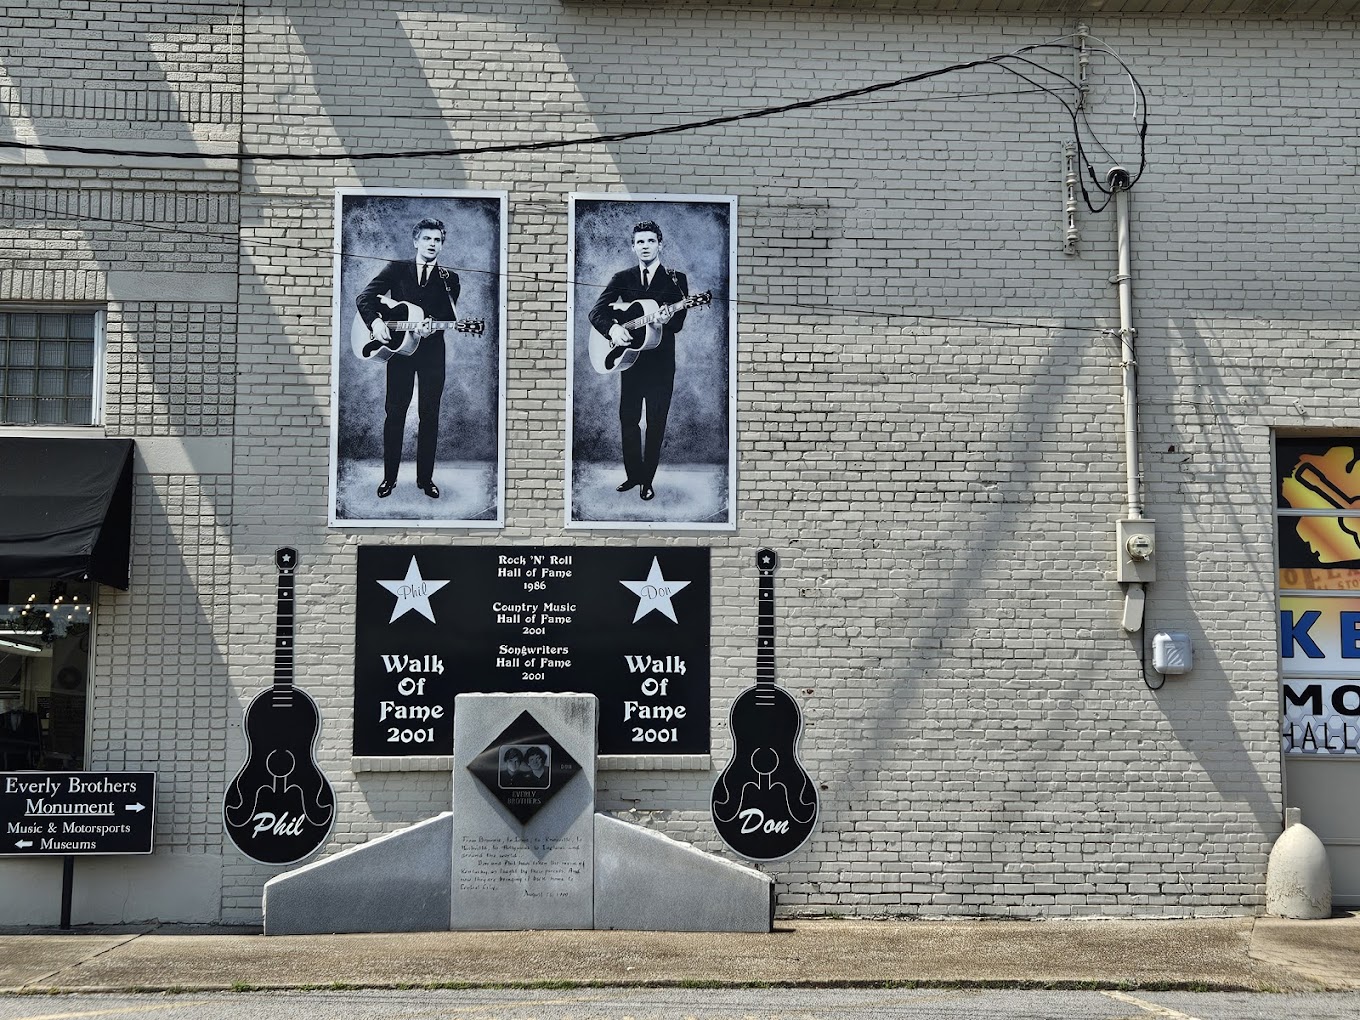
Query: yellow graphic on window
x=1327 y=481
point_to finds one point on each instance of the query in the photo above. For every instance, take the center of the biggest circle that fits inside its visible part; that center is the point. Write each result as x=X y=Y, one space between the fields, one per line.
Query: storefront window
x=1318 y=529
x=44 y=673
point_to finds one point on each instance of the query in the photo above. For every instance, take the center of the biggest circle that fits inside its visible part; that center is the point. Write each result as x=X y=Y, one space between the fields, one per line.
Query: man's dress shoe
x=385 y=489
x=625 y=485
x=646 y=492
x=430 y=489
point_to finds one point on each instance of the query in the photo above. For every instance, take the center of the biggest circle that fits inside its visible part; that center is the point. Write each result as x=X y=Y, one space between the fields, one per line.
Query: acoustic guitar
x=642 y=319
x=404 y=327
x=764 y=804
x=279 y=808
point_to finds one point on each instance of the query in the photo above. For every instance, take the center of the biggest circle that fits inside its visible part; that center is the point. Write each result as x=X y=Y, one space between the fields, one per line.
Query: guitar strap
x=444 y=279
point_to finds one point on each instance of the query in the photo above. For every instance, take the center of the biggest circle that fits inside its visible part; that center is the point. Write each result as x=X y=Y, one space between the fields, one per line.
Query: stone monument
x=523 y=847
x=524 y=811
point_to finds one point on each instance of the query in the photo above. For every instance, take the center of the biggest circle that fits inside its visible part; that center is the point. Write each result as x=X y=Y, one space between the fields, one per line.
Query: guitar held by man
x=407 y=325
x=643 y=319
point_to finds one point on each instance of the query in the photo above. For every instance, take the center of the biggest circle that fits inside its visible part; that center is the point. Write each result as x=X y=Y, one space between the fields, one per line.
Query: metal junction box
x=1172 y=653
x=1136 y=542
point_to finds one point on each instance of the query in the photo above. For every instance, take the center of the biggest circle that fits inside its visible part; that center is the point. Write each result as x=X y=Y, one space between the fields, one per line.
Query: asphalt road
x=688 y=1004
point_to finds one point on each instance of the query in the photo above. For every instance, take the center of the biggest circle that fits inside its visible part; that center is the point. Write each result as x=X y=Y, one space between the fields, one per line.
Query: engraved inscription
x=537 y=868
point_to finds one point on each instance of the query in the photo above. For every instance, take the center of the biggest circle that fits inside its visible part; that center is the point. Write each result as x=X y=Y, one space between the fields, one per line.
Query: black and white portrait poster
x=418 y=362
x=651 y=368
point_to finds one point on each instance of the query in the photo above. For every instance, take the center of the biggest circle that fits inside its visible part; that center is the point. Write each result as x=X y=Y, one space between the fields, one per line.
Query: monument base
x=644 y=881
x=523 y=848
x=397 y=882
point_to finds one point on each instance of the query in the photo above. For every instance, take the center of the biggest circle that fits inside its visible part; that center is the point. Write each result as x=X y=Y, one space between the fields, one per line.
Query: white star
x=413 y=592
x=655 y=593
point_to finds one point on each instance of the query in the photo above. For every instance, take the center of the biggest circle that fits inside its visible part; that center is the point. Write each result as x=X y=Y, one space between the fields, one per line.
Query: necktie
x=424 y=274
x=646 y=278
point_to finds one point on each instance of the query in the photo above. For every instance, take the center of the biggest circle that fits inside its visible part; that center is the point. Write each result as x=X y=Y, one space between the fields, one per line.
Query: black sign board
x=764 y=803
x=630 y=626
x=280 y=807
x=64 y=814
x=524 y=767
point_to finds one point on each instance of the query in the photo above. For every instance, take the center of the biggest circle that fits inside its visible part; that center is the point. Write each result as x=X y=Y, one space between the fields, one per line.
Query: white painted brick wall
x=930 y=420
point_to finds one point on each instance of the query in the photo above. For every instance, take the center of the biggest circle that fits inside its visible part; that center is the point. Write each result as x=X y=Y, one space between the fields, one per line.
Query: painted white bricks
x=929 y=413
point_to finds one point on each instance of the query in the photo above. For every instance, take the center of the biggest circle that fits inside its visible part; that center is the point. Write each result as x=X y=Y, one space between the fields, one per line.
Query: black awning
x=66 y=509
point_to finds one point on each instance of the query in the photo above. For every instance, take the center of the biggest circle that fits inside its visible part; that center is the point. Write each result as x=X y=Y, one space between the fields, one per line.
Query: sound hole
x=764 y=760
x=284 y=765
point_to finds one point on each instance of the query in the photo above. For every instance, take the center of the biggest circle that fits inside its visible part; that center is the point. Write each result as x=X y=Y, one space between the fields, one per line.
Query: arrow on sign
x=23 y=843
x=136 y=807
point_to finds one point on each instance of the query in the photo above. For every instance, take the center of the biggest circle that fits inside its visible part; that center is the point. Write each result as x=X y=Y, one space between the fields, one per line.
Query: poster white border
x=339 y=344
x=572 y=343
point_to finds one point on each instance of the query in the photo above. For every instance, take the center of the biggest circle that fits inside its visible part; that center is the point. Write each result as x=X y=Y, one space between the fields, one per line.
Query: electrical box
x=1137 y=544
x=1172 y=653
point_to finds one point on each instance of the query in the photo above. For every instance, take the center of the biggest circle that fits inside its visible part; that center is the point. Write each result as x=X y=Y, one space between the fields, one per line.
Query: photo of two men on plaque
x=419 y=360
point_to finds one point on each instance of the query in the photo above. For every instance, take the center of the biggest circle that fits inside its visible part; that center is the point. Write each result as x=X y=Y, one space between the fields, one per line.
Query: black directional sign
x=64 y=814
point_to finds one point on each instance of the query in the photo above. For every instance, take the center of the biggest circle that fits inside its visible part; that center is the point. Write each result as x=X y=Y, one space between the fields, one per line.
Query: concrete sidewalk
x=1254 y=954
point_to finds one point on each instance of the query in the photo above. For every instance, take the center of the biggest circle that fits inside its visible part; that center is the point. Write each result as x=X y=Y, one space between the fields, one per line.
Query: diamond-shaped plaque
x=524 y=767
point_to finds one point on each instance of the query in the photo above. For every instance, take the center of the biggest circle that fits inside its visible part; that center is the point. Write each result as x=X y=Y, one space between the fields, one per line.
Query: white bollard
x=1298 y=877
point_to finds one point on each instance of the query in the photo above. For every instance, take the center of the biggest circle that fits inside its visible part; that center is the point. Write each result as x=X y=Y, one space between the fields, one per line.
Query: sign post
x=70 y=814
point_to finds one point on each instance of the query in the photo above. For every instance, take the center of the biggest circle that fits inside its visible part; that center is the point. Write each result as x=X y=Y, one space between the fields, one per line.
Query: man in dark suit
x=434 y=289
x=651 y=379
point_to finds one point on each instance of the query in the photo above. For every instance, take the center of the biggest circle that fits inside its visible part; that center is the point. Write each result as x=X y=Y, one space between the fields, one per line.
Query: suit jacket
x=402 y=283
x=667 y=287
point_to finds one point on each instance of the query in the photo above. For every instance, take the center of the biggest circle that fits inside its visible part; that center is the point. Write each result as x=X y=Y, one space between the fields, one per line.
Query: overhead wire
x=1139 y=121
x=846 y=97
x=282 y=156
x=1078 y=115
x=1076 y=132
x=754 y=302
x=841 y=97
x=445 y=115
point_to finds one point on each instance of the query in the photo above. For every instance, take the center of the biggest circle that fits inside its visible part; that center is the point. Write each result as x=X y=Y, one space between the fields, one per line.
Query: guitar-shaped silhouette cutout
x=279 y=808
x=764 y=803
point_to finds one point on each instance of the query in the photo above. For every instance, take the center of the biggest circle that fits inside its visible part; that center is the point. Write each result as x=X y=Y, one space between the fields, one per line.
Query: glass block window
x=47 y=366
